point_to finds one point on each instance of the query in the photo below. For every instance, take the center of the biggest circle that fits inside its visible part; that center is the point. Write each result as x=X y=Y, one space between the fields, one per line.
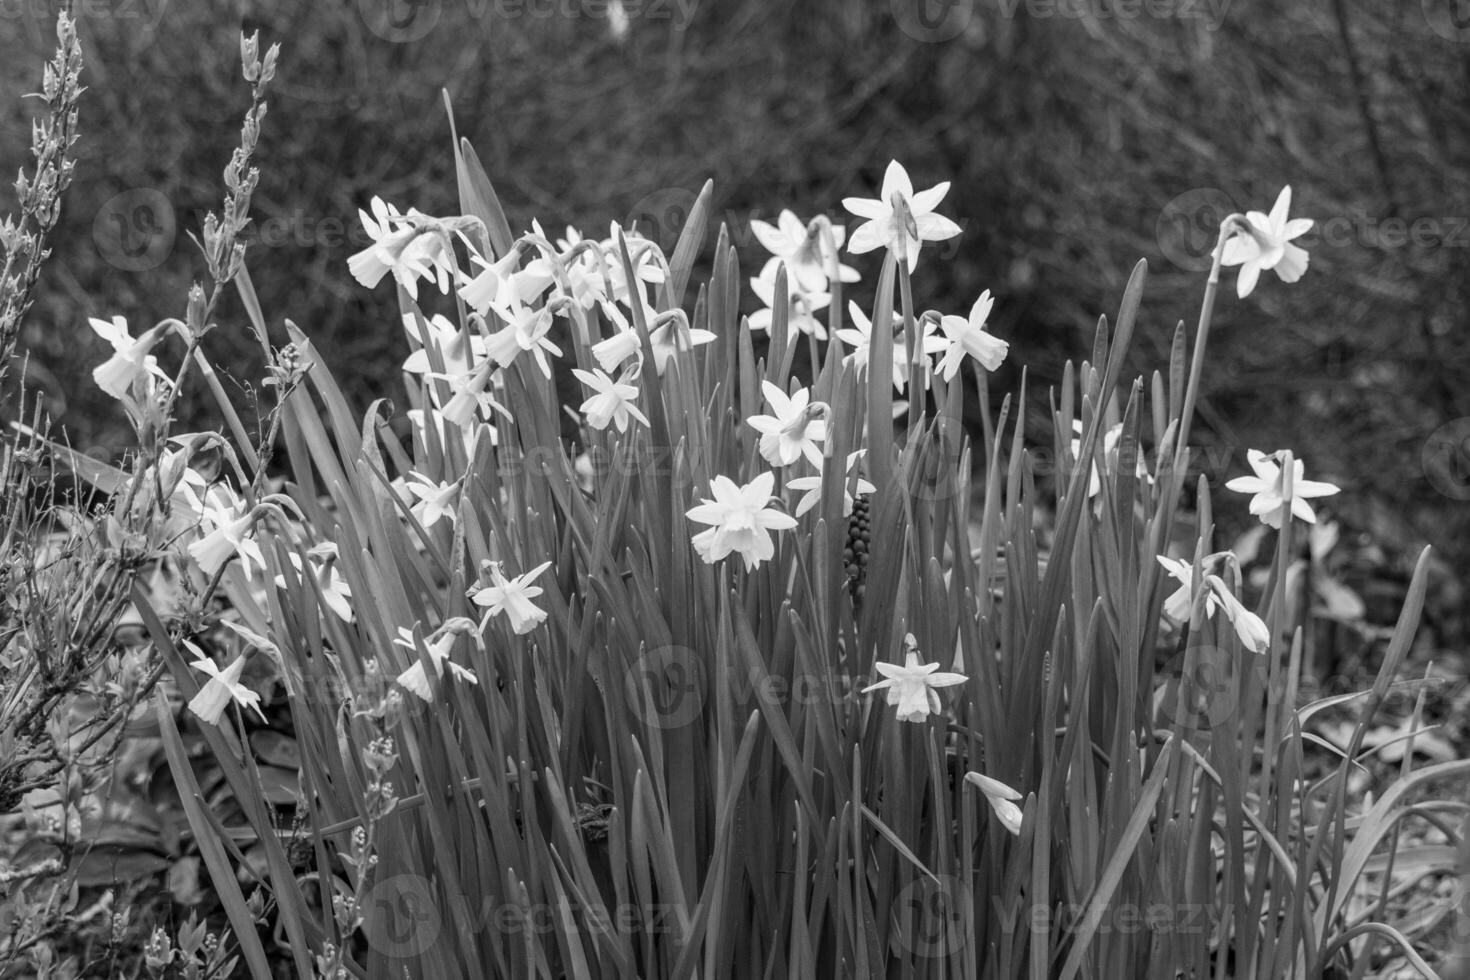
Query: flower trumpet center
x=904 y=215
x=796 y=428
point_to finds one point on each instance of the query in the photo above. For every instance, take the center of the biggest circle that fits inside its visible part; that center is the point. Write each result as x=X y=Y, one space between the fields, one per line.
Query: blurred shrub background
x=1080 y=136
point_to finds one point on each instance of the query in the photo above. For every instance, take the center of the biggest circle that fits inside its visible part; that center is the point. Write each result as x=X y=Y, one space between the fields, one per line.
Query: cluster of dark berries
x=855 y=552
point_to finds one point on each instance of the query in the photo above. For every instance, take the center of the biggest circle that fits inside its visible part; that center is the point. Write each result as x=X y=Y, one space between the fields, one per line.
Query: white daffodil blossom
x=647 y=260
x=435 y=500
x=801 y=304
x=391 y=233
x=573 y=268
x=860 y=338
x=1265 y=243
x=668 y=333
x=130 y=360
x=455 y=347
x=1001 y=799
x=229 y=522
x=512 y=597
x=612 y=401
x=900 y=220
x=1110 y=451
x=222 y=687
x=471 y=400
x=500 y=282
x=804 y=250
x=1179 y=603
x=812 y=485
x=415 y=679
x=968 y=337
x=911 y=687
x=1270 y=489
x=796 y=428
x=411 y=246
x=741 y=521
x=1248 y=626
x=524 y=331
x=336 y=593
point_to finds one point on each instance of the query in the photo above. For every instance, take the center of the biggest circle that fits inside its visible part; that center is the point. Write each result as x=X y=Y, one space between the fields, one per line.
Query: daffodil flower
x=390 y=231
x=968 y=337
x=741 y=521
x=911 y=686
x=668 y=333
x=415 y=679
x=1111 y=438
x=647 y=262
x=130 y=360
x=1248 y=626
x=436 y=501
x=222 y=687
x=812 y=485
x=1177 y=606
x=801 y=305
x=796 y=428
x=230 y=523
x=497 y=282
x=900 y=219
x=1266 y=244
x=512 y=597
x=612 y=401
x=448 y=338
x=470 y=400
x=1001 y=799
x=525 y=331
x=803 y=249
x=336 y=593
x=411 y=246
x=1269 y=487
